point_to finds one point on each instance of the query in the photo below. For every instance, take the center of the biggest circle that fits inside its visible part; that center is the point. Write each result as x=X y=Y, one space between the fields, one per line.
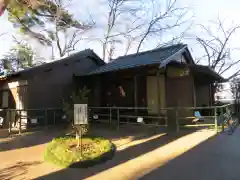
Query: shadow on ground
x=121 y=156
x=16 y=170
x=29 y=139
x=217 y=158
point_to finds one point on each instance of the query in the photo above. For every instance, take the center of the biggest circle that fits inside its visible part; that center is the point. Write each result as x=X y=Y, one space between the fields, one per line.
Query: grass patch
x=64 y=152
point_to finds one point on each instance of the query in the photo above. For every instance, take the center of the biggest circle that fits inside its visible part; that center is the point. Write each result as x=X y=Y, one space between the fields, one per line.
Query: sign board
x=80 y=114
x=177 y=72
x=140 y=120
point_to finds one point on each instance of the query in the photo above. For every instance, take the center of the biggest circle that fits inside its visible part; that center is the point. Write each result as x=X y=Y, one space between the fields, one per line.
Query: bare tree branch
x=130 y=23
x=113 y=14
x=3 y=34
x=156 y=25
x=205 y=46
x=217 y=48
x=117 y=29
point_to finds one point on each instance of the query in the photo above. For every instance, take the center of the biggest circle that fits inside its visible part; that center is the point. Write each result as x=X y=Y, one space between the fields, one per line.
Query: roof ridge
x=155 y=56
x=56 y=61
x=149 y=51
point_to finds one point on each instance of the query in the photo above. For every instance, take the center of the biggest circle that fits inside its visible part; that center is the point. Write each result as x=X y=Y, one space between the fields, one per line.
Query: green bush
x=63 y=151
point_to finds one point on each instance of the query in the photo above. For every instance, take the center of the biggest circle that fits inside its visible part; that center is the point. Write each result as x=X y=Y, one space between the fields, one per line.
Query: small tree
x=20 y=57
x=78 y=97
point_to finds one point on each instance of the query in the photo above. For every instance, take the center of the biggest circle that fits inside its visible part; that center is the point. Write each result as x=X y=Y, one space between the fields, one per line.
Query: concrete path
x=216 y=159
x=188 y=155
x=146 y=163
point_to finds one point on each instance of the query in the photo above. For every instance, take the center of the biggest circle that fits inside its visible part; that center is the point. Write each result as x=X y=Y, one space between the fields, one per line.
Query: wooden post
x=177 y=121
x=223 y=121
x=118 y=119
x=210 y=92
x=20 y=121
x=135 y=94
x=165 y=97
x=46 y=120
x=54 y=117
x=215 y=116
x=194 y=94
x=8 y=115
x=81 y=140
x=221 y=110
x=110 y=115
x=77 y=137
x=223 y=127
x=166 y=117
x=158 y=92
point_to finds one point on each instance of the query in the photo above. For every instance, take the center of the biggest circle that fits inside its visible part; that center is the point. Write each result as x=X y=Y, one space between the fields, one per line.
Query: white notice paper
x=80 y=114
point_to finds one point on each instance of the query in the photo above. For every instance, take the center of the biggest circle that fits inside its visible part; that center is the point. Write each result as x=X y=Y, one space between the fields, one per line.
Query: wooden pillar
x=96 y=92
x=210 y=95
x=135 y=93
x=194 y=93
x=45 y=118
x=171 y=94
x=158 y=92
x=165 y=98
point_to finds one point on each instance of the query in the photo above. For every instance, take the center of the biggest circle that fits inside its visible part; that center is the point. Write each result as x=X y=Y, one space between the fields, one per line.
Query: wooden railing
x=175 y=117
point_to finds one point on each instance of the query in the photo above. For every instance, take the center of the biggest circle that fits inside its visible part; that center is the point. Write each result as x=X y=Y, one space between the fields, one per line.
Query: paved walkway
x=215 y=159
x=155 y=155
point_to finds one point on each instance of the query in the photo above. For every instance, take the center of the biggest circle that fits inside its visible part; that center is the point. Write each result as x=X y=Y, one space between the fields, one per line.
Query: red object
x=122 y=92
x=3 y=6
x=2 y=9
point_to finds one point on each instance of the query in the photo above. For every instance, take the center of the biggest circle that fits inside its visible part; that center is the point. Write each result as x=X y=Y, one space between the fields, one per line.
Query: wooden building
x=156 y=79
x=46 y=85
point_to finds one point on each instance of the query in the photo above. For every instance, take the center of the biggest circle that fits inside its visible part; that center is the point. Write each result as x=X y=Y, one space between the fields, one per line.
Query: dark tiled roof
x=156 y=56
x=78 y=55
x=200 y=69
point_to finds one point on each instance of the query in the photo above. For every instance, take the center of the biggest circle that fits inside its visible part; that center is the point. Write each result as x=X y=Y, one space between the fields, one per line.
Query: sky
x=203 y=11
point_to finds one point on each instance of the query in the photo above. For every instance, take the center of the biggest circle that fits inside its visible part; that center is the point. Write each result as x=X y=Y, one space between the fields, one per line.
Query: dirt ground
x=141 y=154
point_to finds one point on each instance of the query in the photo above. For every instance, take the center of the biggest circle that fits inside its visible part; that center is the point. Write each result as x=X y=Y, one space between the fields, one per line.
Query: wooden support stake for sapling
x=79 y=138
